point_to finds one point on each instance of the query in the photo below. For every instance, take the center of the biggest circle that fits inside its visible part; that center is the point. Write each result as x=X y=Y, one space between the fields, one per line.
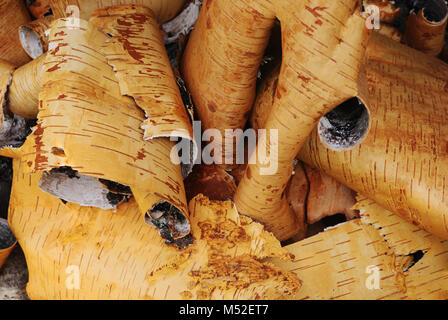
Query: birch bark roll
x=425 y=30
x=116 y=257
x=26 y=84
x=84 y=117
x=402 y=162
x=305 y=91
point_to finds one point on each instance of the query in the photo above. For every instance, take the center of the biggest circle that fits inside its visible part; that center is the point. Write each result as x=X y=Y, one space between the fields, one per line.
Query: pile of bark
x=247 y=149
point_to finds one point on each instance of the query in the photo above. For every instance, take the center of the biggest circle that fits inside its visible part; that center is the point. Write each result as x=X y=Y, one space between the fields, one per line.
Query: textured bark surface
x=221 y=74
x=83 y=117
x=26 y=84
x=138 y=55
x=13 y=14
x=163 y=10
x=334 y=263
x=120 y=258
x=401 y=163
x=322 y=55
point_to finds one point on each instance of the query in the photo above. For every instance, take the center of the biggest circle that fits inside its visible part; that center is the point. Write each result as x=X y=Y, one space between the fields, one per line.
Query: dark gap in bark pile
x=171 y=223
x=345 y=126
x=7 y=238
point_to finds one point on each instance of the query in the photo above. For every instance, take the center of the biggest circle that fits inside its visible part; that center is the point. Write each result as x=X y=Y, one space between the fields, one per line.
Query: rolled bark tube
x=377 y=257
x=34 y=36
x=7 y=241
x=425 y=29
x=134 y=60
x=164 y=10
x=91 y=243
x=26 y=84
x=13 y=14
x=221 y=67
x=303 y=94
x=401 y=163
x=39 y=8
x=99 y=122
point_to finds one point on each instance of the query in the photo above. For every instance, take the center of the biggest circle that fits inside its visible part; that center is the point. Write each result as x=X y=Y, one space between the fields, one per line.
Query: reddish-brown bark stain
x=56 y=50
x=280 y=90
x=126 y=24
x=303 y=78
x=56 y=66
x=209 y=23
x=60 y=33
x=40 y=159
x=141 y=154
x=208 y=4
x=314 y=11
x=212 y=107
x=248 y=173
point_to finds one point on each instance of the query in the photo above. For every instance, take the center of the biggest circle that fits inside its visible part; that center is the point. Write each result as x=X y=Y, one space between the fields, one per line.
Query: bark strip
x=401 y=163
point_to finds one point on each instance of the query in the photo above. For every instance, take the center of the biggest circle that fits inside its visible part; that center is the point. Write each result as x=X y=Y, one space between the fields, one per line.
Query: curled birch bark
x=425 y=29
x=111 y=251
x=164 y=10
x=13 y=14
x=34 y=36
x=26 y=84
x=137 y=53
x=401 y=163
x=7 y=241
x=84 y=117
x=380 y=256
x=221 y=75
x=303 y=94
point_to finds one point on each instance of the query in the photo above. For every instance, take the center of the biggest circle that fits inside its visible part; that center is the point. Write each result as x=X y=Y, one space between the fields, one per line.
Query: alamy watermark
x=372 y=14
x=73 y=280
x=229 y=147
x=373 y=281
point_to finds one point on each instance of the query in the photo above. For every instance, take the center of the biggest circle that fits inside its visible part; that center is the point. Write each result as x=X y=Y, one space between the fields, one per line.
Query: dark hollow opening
x=324 y=223
x=433 y=10
x=171 y=224
x=345 y=126
x=7 y=238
